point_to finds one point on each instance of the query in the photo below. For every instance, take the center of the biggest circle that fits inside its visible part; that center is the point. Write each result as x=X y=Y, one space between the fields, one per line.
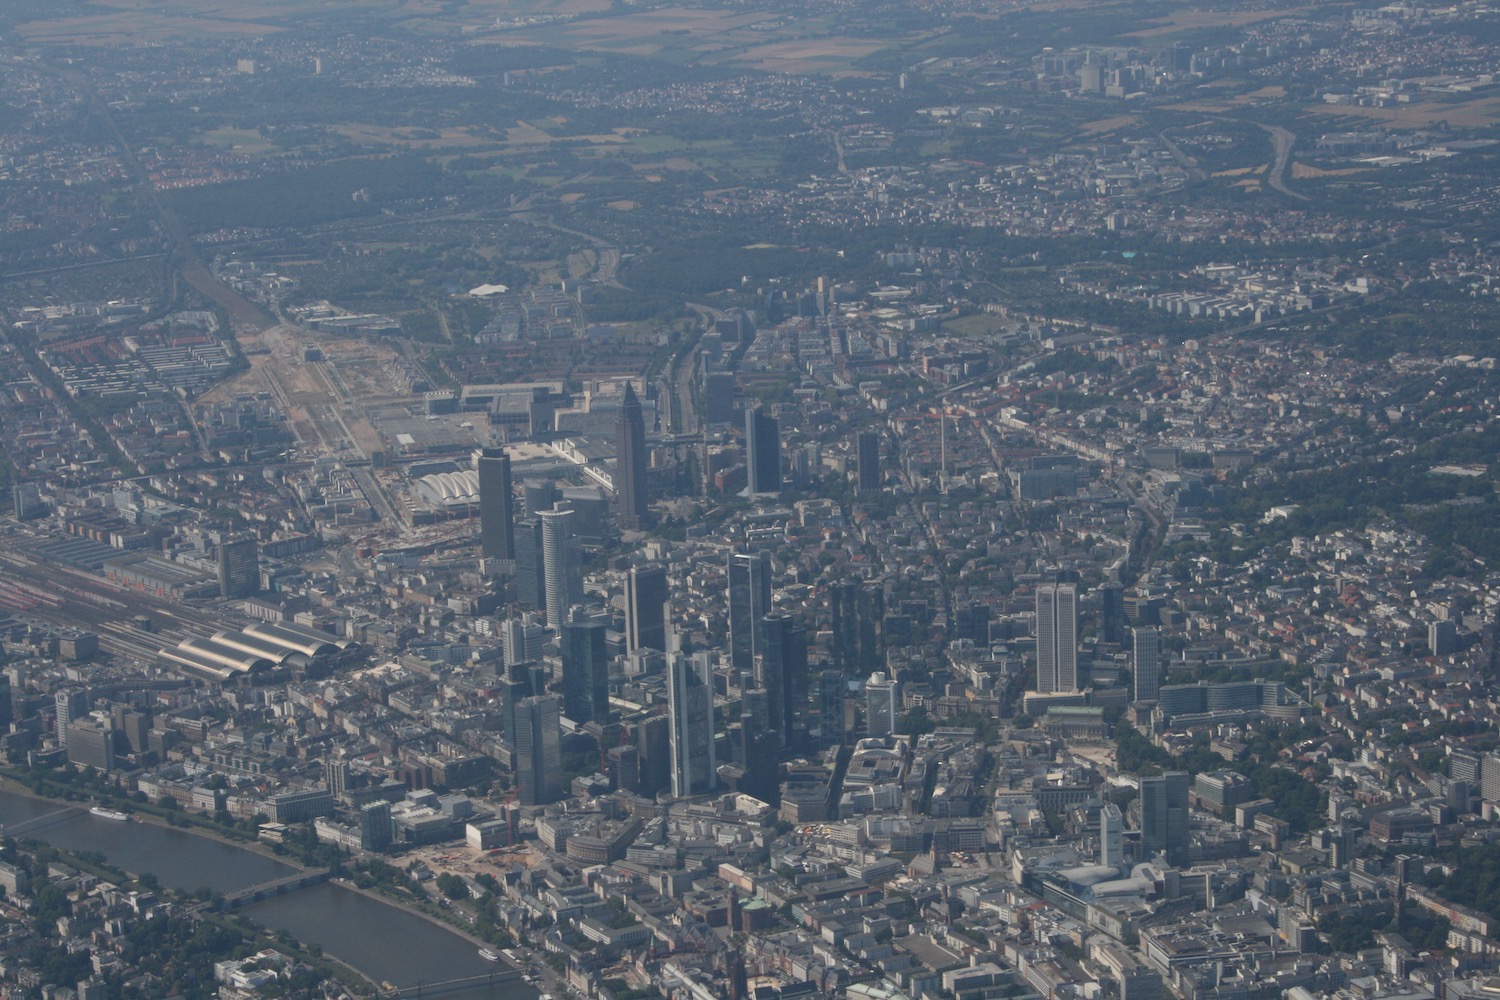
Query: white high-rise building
x=1111 y=836
x=881 y=706
x=560 y=560
x=1056 y=637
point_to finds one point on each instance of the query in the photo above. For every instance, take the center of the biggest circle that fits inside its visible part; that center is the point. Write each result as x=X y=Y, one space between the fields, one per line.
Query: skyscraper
x=749 y=602
x=523 y=639
x=560 y=557
x=497 y=538
x=653 y=742
x=585 y=672
x=1146 y=644
x=691 y=703
x=91 y=743
x=783 y=666
x=880 y=705
x=531 y=568
x=843 y=608
x=1111 y=840
x=631 y=461
x=762 y=451
x=376 y=831
x=869 y=462
x=831 y=707
x=1056 y=637
x=646 y=608
x=239 y=566
x=538 y=751
x=1164 y=816
x=1111 y=612
x=70 y=704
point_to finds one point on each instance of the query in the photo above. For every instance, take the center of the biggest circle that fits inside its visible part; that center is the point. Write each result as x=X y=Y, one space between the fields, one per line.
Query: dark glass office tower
x=497 y=539
x=646 y=608
x=631 y=462
x=749 y=602
x=585 y=672
x=762 y=451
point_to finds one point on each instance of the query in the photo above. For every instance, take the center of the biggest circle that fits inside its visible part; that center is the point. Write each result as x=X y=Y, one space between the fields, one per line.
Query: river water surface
x=382 y=941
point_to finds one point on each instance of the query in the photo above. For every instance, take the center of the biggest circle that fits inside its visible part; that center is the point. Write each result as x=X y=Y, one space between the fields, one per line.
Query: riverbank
x=377 y=939
x=14 y=787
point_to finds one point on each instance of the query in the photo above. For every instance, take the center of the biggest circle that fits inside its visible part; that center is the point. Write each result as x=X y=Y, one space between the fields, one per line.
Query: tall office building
x=497 y=533
x=881 y=705
x=1111 y=612
x=523 y=640
x=690 y=700
x=718 y=397
x=26 y=500
x=653 y=742
x=646 y=608
x=1111 y=836
x=239 y=566
x=91 y=743
x=783 y=673
x=1164 y=816
x=749 y=603
x=831 y=686
x=538 y=751
x=868 y=461
x=585 y=672
x=762 y=451
x=531 y=569
x=70 y=704
x=1056 y=637
x=1146 y=645
x=376 y=830
x=843 y=612
x=538 y=495
x=560 y=556
x=631 y=462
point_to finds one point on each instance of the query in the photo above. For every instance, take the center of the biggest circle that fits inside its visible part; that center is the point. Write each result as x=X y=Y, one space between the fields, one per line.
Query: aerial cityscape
x=749 y=500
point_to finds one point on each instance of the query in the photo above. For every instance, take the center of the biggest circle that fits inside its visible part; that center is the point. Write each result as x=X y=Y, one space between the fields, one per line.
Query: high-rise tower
x=783 y=673
x=1164 y=816
x=1146 y=643
x=762 y=451
x=749 y=602
x=497 y=537
x=869 y=462
x=239 y=566
x=538 y=751
x=631 y=462
x=560 y=557
x=646 y=599
x=1056 y=637
x=585 y=672
x=691 y=703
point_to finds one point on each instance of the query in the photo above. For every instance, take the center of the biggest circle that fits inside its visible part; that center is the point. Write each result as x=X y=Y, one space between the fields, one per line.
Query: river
x=382 y=941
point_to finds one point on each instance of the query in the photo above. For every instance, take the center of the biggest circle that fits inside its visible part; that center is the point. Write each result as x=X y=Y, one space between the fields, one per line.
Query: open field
x=1301 y=171
x=1186 y=20
x=1107 y=124
x=137 y=29
x=412 y=138
x=1482 y=113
